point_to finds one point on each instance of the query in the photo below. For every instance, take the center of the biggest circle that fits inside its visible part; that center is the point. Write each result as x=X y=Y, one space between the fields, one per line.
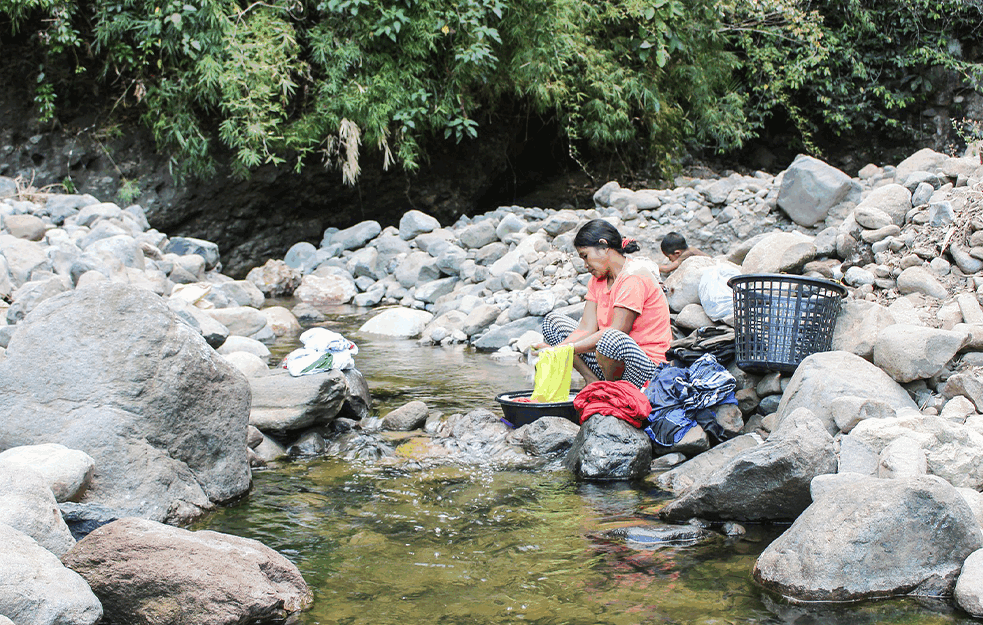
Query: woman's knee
x=610 y=343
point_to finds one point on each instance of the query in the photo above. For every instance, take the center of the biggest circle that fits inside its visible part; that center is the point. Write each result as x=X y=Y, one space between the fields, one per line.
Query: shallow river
x=460 y=545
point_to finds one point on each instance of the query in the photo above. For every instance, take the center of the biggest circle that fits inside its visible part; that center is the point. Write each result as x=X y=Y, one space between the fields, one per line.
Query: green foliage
x=129 y=191
x=297 y=80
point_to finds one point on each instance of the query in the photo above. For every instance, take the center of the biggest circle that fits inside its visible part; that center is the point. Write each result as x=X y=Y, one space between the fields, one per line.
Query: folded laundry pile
x=322 y=350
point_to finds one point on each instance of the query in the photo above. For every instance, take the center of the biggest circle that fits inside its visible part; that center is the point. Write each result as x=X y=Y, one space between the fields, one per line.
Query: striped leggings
x=614 y=344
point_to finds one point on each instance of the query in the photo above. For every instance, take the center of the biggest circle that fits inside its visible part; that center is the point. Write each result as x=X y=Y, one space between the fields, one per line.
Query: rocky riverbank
x=110 y=379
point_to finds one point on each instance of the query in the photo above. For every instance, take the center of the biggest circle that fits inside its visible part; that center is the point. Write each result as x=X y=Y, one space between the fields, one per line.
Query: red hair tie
x=625 y=241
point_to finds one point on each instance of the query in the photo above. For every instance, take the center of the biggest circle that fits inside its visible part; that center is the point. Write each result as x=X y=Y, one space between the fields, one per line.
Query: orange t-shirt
x=641 y=295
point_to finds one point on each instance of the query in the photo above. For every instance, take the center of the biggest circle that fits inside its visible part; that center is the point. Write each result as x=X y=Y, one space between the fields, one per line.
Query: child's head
x=673 y=244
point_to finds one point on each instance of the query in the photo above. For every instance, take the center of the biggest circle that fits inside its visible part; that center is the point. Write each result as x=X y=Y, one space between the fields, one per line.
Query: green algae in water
x=467 y=545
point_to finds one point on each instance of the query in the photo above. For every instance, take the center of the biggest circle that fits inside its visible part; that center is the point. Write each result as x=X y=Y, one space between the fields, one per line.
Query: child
x=675 y=249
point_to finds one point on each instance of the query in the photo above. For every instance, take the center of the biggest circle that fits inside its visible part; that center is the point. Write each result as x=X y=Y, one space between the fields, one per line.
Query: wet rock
x=36 y=589
x=810 y=188
x=766 y=483
x=654 y=536
x=67 y=472
x=826 y=555
x=407 y=417
x=398 y=323
x=282 y=403
x=607 y=448
x=546 y=436
x=147 y=573
x=908 y=352
x=161 y=414
x=822 y=377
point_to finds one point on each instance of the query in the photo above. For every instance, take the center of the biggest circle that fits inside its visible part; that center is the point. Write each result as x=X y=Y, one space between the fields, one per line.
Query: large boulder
x=810 y=188
x=282 y=403
x=821 y=378
x=356 y=236
x=780 y=252
x=969 y=587
x=873 y=538
x=679 y=479
x=765 y=483
x=607 y=448
x=111 y=371
x=36 y=589
x=910 y=352
x=148 y=573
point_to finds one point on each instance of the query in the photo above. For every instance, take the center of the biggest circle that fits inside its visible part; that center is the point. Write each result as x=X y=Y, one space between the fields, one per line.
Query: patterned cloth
x=614 y=344
x=684 y=397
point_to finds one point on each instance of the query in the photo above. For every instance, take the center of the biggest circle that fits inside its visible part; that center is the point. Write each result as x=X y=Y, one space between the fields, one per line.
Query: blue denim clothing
x=684 y=397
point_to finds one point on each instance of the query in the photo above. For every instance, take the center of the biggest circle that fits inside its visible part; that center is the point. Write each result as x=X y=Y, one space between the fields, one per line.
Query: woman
x=624 y=332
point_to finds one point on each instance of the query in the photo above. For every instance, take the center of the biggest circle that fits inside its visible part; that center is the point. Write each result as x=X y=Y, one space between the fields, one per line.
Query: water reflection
x=459 y=544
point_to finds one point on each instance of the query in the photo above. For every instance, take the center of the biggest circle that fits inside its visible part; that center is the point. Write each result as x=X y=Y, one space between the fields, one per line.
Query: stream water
x=457 y=545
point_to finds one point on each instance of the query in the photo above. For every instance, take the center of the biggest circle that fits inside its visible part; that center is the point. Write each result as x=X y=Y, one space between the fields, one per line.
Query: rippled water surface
x=462 y=545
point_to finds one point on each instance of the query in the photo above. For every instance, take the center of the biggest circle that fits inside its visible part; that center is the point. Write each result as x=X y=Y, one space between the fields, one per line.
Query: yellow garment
x=553 y=371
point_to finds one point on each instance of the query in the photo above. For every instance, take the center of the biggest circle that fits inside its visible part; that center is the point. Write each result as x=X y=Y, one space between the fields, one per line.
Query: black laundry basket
x=780 y=319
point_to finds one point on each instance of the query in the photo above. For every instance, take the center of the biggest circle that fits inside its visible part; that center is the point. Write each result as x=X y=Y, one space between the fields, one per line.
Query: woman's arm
x=586 y=327
x=622 y=319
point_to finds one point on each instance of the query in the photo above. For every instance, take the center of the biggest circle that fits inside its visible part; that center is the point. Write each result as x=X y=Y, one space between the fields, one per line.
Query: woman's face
x=596 y=259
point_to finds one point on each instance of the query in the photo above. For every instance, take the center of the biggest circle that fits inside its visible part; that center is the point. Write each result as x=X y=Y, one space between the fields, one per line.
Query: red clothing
x=642 y=295
x=619 y=399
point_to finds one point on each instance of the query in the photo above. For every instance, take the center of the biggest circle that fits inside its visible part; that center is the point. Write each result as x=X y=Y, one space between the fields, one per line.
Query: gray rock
x=27 y=227
x=358 y=400
x=414 y=223
x=480 y=318
x=514 y=262
x=940 y=214
x=858 y=276
x=953 y=451
x=431 y=291
x=91 y=213
x=245 y=344
x=67 y=472
x=910 y=352
x=183 y=246
x=766 y=483
x=925 y=159
x=607 y=448
x=969 y=385
x=810 y=188
x=283 y=404
x=654 y=536
x=892 y=199
x=826 y=554
x=902 y=458
x=61 y=207
x=547 y=436
x=823 y=377
x=966 y=263
x=241 y=293
x=541 y=303
x=490 y=253
x=848 y=411
x=122 y=247
x=969 y=586
x=309 y=444
x=558 y=223
x=872 y=217
x=692 y=316
x=398 y=322
x=161 y=414
x=23 y=258
x=780 y=252
x=693 y=471
x=922 y=194
x=917 y=178
x=407 y=417
x=417 y=268
x=240 y=320
x=36 y=589
x=500 y=337
x=326 y=290
x=920 y=280
x=683 y=284
x=301 y=256
x=148 y=572
x=858 y=325
x=356 y=236
x=28 y=505
x=250 y=365
x=510 y=225
x=450 y=260
x=478 y=235
x=31 y=294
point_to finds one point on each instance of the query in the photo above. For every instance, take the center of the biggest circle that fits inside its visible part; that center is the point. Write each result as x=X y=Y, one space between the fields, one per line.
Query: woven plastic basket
x=780 y=319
